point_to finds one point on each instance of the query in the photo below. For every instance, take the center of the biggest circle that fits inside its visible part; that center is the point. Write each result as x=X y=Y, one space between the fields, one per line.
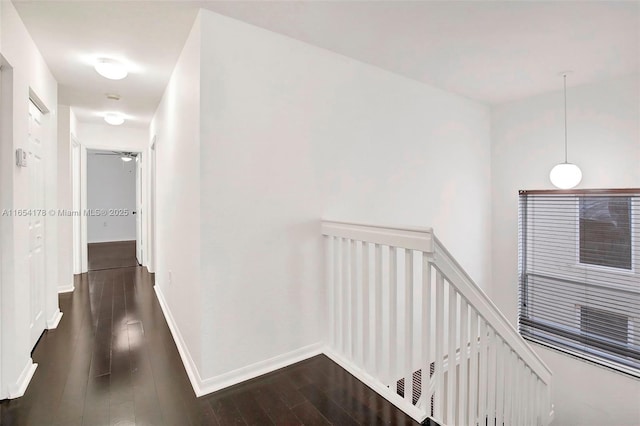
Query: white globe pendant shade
x=114 y=119
x=111 y=69
x=565 y=175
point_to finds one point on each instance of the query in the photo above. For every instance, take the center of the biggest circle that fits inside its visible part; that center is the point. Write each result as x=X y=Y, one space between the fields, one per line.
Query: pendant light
x=565 y=175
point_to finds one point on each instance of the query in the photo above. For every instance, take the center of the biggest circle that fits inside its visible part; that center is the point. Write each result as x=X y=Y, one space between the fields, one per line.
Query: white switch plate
x=21 y=157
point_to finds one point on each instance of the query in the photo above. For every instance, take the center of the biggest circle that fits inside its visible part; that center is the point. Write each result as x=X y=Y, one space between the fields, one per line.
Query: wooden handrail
x=616 y=191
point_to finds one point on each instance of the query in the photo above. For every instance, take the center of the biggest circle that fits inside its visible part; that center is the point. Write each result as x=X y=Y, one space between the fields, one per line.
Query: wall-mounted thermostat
x=21 y=157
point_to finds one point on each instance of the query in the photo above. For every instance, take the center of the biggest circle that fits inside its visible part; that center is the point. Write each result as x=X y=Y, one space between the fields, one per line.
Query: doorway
x=113 y=189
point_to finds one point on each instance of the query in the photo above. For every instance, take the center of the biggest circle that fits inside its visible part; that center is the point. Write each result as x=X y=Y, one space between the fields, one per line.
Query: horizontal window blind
x=579 y=272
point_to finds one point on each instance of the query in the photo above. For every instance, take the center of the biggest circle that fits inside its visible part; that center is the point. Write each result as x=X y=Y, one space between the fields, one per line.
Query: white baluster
x=408 y=326
x=378 y=313
x=338 y=301
x=393 y=318
x=539 y=401
x=534 y=413
x=483 y=366
x=500 y=360
x=518 y=418
x=526 y=388
x=438 y=374
x=451 y=358
x=346 y=295
x=514 y=388
x=463 y=379
x=532 y=399
x=473 y=368
x=366 y=321
x=491 y=377
x=508 y=385
x=425 y=333
x=546 y=404
x=355 y=328
x=331 y=285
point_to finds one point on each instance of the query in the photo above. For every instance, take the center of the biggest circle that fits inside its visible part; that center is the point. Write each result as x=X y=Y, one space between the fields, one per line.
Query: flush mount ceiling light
x=126 y=158
x=114 y=119
x=111 y=69
x=565 y=175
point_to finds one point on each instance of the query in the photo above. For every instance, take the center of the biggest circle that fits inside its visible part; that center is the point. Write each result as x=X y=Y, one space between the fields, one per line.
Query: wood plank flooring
x=113 y=254
x=113 y=361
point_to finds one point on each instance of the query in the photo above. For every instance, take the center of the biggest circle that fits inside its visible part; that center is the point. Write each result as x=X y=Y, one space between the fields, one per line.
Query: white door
x=35 y=167
x=139 y=239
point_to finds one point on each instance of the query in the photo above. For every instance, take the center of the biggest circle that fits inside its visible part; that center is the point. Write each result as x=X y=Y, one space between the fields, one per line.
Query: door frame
x=79 y=191
x=140 y=211
x=79 y=266
x=5 y=129
x=151 y=206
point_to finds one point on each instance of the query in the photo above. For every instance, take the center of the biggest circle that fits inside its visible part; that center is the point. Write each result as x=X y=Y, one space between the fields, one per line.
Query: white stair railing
x=409 y=322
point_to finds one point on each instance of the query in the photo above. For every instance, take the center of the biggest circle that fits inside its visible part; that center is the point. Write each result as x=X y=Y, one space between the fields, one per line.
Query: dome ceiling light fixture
x=111 y=69
x=565 y=175
x=114 y=118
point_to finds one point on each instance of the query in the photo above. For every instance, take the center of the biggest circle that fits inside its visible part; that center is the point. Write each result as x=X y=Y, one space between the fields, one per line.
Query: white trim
x=20 y=387
x=259 y=368
x=384 y=391
x=212 y=384
x=55 y=320
x=67 y=288
x=187 y=359
x=405 y=237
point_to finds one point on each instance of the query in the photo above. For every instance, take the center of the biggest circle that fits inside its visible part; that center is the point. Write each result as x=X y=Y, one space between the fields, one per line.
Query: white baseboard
x=54 y=320
x=260 y=368
x=212 y=384
x=187 y=360
x=374 y=384
x=66 y=289
x=20 y=387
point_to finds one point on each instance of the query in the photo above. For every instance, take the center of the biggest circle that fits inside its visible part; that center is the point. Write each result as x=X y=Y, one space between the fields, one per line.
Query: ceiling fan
x=124 y=155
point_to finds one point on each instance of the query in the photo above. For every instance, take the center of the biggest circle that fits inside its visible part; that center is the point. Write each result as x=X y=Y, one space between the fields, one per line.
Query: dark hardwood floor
x=110 y=255
x=112 y=361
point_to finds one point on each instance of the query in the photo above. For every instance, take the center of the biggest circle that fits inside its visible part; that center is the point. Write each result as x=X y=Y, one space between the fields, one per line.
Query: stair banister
x=446 y=263
x=480 y=364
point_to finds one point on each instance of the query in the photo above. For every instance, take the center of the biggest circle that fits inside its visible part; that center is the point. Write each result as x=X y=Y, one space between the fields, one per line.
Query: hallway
x=112 y=361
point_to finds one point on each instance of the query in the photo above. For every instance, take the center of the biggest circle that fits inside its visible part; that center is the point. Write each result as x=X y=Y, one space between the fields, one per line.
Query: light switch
x=21 y=157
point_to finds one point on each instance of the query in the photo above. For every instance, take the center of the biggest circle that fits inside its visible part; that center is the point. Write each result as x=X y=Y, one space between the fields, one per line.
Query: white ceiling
x=489 y=51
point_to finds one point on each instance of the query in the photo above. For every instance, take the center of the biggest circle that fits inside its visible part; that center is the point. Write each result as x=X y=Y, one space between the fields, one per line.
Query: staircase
x=410 y=323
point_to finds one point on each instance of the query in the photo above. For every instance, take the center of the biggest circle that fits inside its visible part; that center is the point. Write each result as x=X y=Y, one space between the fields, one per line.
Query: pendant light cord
x=565 y=118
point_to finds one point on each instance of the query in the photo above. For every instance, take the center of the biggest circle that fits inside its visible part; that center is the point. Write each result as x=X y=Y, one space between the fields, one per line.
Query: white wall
x=527 y=141
x=111 y=185
x=118 y=138
x=294 y=133
x=176 y=126
x=29 y=72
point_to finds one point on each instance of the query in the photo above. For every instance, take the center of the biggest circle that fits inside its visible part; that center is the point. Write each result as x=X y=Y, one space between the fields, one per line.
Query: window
x=605 y=231
x=579 y=273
